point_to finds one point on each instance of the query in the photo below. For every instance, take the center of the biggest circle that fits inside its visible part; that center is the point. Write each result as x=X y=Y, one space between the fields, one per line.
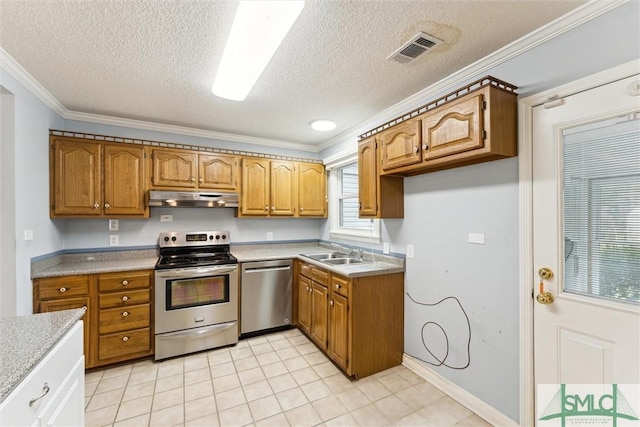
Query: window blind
x=601 y=210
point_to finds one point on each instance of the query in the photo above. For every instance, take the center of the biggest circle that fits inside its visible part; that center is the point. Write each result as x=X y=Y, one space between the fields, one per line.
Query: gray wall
x=441 y=208
x=32 y=120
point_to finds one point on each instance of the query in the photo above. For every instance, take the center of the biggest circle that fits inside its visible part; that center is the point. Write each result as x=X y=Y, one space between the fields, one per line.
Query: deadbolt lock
x=545 y=273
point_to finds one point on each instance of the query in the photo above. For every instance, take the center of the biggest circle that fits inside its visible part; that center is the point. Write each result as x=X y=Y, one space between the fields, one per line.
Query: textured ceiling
x=156 y=60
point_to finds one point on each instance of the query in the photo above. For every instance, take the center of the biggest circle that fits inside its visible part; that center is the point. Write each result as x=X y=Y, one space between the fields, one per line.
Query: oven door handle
x=194 y=272
x=198 y=331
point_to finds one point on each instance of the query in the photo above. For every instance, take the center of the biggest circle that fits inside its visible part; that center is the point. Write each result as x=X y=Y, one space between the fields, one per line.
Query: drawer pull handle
x=45 y=390
x=125 y=314
x=63 y=289
x=125 y=298
x=125 y=282
x=125 y=339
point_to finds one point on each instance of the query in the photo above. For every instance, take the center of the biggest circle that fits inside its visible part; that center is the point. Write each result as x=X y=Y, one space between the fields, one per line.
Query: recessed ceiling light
x=323 y=125
x=258 y=29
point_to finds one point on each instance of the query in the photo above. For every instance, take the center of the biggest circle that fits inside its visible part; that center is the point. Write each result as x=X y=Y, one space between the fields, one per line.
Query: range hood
x=193 y=199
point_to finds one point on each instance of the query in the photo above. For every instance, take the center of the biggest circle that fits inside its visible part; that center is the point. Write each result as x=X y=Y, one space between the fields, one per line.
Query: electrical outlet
x=166 y=218
x=114 y=240
x=385 y=248
x=410 y=253
x=269 y=235
x=114 y=225
x=28 y=234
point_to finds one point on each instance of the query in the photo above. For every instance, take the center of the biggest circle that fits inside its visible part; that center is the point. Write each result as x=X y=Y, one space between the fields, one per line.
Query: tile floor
x=280 y=379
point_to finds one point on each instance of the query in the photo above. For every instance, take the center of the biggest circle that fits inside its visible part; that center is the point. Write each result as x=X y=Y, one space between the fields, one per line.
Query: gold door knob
x=545 y=298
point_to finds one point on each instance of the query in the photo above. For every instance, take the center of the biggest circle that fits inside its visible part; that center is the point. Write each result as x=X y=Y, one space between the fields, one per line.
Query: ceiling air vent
x=419 y=44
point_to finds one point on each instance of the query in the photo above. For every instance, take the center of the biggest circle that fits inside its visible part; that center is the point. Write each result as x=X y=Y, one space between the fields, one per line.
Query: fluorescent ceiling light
x=258 y=29
x=323 y=125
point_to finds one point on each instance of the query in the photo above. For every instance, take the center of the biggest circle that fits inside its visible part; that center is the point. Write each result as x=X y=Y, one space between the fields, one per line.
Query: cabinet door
x=124 y=188
x=71 y=303
x=454 y=129
x=304 y=304
x=319 y=314
x=76 y=181
x=339 y=331
x=173 y=168
x=255 y=187
x=283 y=188
x=400 y=145
x=217 y=171
x=367 y=178
x=312 y=190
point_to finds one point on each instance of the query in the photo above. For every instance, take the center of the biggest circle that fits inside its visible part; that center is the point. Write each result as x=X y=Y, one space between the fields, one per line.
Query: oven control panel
x=193 y=238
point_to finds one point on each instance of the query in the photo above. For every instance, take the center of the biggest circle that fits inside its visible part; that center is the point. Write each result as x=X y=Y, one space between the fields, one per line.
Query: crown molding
x=188 y=131
x=10 y=65
x=478 y=69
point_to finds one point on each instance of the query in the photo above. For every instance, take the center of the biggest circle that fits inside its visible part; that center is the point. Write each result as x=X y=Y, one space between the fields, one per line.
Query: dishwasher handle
x=267 y=269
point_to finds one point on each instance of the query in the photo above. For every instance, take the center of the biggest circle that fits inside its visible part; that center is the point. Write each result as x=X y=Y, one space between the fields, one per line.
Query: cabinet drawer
x=122 y=281
x=68 y=286
x=320 y=276
x=340 y=285
x=305 y=270
x=122 y=319
x=124 y=299
x=123 y=343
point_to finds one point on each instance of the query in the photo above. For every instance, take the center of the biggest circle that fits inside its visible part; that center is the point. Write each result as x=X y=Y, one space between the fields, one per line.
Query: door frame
x=525 y=191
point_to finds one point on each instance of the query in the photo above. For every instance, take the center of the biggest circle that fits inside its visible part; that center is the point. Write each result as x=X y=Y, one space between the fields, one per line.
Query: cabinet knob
x=201 y=180
x=63 y=289
x=331 y=303
x=337 y=286
x=85 y=308
x=266 y=208
x=125 y=339
x=415 y=149
x=193 y=180
x=301 y=209
x=425 y=147
x=125 y=298
x=125 y=313
x=125 y=282
x=107 y=205
x=273 y=208
x=96 y=205
x=307 y=289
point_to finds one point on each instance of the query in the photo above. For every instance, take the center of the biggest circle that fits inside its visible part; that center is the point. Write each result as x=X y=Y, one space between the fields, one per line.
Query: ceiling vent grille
x=419 y=44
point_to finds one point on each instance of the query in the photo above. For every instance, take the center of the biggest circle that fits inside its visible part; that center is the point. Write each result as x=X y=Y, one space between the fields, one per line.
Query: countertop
x=26 y=340
x=94 y=263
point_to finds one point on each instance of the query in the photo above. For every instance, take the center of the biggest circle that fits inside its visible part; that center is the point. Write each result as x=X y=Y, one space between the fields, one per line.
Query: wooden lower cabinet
x=362 y=321
x=118 y=325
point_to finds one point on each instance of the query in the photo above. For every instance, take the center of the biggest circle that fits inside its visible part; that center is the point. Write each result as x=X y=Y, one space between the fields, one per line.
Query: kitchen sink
x=341 y=261
x=335 y=258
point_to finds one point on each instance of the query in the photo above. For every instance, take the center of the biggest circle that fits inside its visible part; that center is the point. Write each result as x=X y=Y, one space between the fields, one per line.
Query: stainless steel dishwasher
x=266 y=294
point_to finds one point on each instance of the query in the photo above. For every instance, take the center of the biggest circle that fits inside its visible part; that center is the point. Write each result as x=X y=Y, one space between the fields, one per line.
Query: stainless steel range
x=196 y=293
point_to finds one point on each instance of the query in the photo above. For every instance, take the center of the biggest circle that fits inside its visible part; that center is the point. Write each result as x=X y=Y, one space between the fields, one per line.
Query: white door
x=586 y=233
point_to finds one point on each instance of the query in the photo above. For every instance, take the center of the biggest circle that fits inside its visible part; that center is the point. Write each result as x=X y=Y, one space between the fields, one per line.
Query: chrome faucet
x=352 y=251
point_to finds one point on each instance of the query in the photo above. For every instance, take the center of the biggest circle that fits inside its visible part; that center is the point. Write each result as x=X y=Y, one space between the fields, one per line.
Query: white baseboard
x=478 y=406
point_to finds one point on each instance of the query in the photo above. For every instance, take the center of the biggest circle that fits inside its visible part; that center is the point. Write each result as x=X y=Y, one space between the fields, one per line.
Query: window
x=601 y=203
x=343 y=205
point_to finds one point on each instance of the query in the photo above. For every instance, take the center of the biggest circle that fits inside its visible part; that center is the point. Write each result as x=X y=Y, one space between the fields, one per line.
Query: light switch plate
x=410 y=253
x=28 y=234
x=476 y=238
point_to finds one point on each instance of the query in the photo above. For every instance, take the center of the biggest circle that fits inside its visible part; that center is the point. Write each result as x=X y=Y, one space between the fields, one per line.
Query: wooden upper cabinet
x=218 y=171
x=367 y=178
x=173 y=168
x=77 y=177
x=256 y=187
x=400 y=145
x=312 y=190
x=124 y=189
x=283 y=188
x=453 y=129
x=96 y=179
